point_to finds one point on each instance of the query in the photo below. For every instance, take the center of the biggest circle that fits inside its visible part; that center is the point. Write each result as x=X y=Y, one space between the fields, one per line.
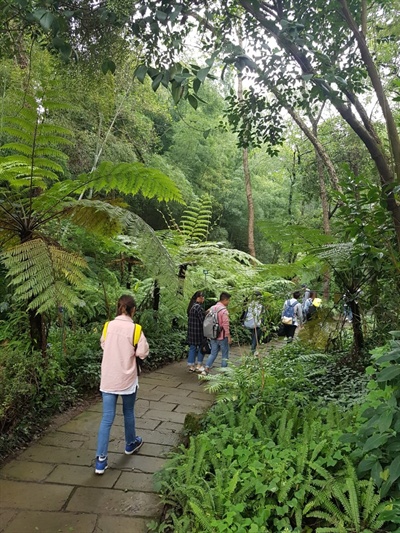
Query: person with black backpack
x=292 y=316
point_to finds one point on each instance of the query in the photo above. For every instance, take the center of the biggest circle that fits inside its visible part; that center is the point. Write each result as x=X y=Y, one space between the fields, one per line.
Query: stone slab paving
x=51 y=487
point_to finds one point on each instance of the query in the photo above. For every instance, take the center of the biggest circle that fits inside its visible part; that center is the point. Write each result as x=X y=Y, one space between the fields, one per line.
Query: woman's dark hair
x=296 y=294
x=193 y=300
x=126 y=304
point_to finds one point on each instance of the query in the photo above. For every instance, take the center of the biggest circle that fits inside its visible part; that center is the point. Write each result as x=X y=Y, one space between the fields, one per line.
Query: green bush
x=377 y=450
x=254 y=471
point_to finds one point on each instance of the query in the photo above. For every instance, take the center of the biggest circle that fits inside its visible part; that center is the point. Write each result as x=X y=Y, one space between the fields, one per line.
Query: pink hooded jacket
x=118 y=367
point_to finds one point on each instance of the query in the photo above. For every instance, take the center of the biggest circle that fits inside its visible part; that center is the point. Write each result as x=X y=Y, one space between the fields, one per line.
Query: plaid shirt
x=195 y=334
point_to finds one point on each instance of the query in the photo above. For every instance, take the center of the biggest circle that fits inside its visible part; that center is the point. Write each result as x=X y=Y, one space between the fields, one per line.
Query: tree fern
x=35 y=193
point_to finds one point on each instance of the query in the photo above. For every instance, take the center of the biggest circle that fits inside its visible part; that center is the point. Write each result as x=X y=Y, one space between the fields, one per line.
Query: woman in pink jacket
x=119 y=376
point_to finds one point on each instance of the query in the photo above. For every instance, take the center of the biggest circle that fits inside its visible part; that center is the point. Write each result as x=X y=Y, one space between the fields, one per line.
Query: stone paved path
x=51 y=486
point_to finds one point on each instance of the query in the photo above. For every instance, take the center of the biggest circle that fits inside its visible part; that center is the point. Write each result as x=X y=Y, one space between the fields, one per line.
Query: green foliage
x=378 y=443
x=347 y=505
x=44 y=274
x=195 y=221
x=32 y=388
x=253 y=469
x=294 y=372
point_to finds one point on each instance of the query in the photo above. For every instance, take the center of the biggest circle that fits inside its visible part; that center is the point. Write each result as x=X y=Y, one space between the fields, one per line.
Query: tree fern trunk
x=357 y=332
x=37 y=331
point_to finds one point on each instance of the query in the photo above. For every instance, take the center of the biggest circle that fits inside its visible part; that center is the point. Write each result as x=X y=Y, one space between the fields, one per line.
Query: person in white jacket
x=253 y=320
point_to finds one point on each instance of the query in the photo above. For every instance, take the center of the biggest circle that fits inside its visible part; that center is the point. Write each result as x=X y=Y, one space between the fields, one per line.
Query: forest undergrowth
x=291 y=445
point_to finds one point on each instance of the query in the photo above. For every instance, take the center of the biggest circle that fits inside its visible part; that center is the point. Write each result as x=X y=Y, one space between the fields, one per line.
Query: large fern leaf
x=44 y=276
x=131 y=178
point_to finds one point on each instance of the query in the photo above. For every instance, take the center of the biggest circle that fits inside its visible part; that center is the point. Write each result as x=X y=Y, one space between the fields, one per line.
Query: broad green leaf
x=140 y=73
x=389 y=373
x=202 y=74
x=108 y=65
x=156 y=82
x=374 y=442
x=193 y=101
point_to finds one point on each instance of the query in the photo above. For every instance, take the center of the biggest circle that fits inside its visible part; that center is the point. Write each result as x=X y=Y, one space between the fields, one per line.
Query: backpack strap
x=105 y=330
x=136 y=333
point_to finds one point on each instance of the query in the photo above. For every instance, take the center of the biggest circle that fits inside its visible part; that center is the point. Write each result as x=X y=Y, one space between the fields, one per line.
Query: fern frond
x=132 y=178
x=44 y=276
x=195 y=221
x=201 y=516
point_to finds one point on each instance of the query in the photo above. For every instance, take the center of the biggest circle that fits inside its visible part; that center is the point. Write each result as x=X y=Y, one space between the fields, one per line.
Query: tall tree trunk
x=358 y=335
x=247 y=180
x=324 y=201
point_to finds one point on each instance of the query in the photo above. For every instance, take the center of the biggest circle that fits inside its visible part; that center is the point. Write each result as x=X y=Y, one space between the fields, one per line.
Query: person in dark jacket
x=195 y=336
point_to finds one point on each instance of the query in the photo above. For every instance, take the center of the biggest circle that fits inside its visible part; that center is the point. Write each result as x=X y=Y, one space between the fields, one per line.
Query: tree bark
x=247 y=181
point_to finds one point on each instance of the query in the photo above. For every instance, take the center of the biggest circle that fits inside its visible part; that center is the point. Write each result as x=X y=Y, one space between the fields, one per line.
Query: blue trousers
x=109 y=408
x=217 y=345
x=193 y=351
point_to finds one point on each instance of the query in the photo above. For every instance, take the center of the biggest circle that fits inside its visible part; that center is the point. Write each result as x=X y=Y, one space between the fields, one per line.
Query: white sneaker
x=200 y=369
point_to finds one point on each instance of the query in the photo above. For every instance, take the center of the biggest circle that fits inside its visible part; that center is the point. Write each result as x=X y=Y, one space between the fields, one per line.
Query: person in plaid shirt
x=195 y=336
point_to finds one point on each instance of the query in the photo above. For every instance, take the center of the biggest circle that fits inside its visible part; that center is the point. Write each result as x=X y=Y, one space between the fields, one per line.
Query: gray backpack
x=211 y=328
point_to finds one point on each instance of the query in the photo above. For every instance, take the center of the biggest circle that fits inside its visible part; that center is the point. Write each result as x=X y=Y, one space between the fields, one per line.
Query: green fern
x=349 y=504
x=195 y=221
x=43 y=274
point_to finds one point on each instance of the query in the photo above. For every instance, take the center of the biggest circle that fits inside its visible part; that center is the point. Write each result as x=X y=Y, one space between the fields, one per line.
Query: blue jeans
x=216 y=345
x=109 y=408
x=193 y=350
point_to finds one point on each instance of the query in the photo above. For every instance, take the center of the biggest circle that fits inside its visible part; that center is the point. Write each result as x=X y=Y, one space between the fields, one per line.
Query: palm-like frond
x=131 y=178
x=44 y=275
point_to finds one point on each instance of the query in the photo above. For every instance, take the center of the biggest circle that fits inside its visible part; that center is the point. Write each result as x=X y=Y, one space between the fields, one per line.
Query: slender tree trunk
x=38 y=332
x=247 y=180
x=156 y=296
x=324 y=201
x=250 y=203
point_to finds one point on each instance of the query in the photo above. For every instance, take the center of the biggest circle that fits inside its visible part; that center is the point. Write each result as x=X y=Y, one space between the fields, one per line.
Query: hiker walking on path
x=292 y=316
x=223 y=339
x=253 y=320
x=119 y=376
x=195 y=335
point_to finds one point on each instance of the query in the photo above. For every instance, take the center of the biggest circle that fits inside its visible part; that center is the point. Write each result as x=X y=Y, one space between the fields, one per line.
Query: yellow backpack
x=136 y=333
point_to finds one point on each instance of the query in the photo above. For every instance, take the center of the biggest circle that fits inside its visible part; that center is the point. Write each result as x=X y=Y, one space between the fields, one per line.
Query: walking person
x=119 y=377
x=308 y=309
x=195 y=335
x=223 y=340
x=253 y=320
x=292 y=316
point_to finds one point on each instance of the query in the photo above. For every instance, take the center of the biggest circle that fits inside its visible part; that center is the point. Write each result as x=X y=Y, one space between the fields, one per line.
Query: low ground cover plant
x=271 y=455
